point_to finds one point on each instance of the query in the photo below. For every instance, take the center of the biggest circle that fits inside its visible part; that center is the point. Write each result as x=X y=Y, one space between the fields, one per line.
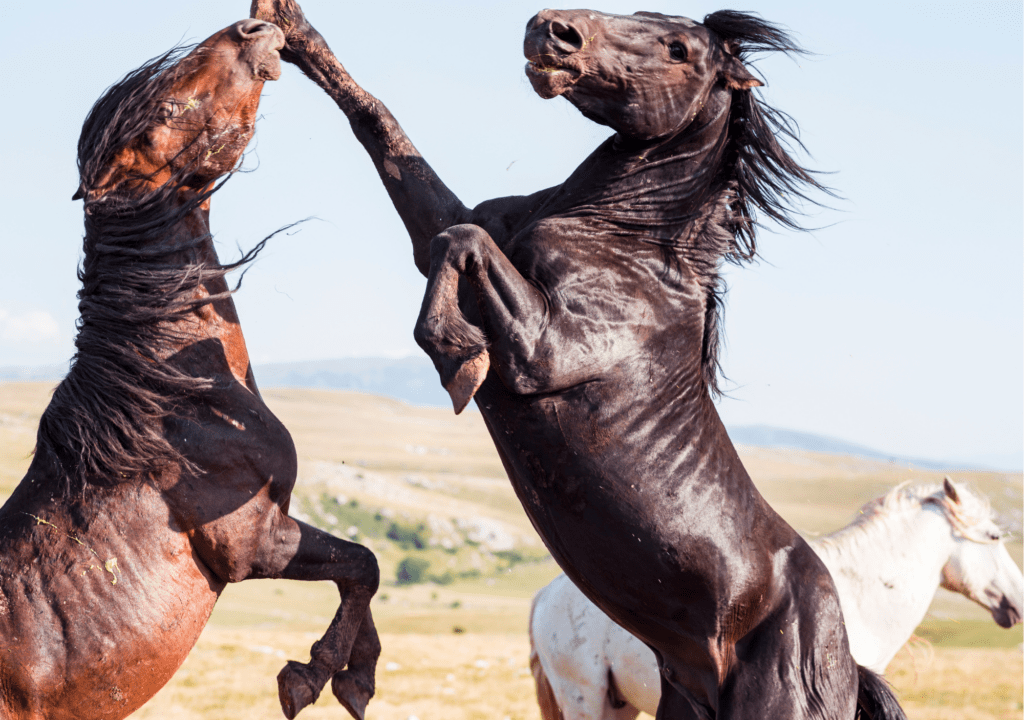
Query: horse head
x=980 y=566
x=645 y=75
x=183 y=117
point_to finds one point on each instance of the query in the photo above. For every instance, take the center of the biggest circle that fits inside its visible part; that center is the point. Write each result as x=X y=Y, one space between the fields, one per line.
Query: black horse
x=585 y=319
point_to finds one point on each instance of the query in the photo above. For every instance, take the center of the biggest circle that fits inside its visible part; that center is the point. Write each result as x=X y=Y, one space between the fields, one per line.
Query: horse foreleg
x=515 y=332
x=301 y=552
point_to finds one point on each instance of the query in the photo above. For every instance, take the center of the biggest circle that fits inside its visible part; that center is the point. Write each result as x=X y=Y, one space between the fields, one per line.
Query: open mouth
x=536 y=67
x=551 y=80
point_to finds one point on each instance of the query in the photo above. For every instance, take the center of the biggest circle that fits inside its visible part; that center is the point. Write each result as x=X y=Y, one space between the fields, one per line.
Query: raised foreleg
x=424 y=202
x=426 y=205
x=534 y=342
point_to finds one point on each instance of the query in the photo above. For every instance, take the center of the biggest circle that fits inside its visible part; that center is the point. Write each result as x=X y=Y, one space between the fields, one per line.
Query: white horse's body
x=886 y=565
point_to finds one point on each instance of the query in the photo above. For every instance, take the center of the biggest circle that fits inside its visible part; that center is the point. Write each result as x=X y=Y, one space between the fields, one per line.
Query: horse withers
x=585 y=320
x=159 y=474
x=887 y=565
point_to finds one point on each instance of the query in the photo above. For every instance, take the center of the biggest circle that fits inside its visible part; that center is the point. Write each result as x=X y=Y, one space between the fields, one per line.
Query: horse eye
x=168 y=109
x=677 y=51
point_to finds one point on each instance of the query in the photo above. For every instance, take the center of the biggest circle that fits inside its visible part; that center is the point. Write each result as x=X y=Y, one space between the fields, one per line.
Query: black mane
x=758 y=174
x=104 y=423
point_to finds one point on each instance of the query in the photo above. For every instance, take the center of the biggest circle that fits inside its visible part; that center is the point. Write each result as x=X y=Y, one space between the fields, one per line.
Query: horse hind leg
x=301 y=552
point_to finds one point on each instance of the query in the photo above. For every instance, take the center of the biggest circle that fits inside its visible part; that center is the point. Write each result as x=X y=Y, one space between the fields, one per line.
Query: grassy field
x=457 y=648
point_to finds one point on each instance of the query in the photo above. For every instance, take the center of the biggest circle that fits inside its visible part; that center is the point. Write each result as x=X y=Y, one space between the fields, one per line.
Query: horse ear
x=947 y=486
x=736 y=75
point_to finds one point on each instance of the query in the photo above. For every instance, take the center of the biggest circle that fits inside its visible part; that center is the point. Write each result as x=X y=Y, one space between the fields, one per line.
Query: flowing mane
x=103 y=425
x=964 y=514
x=758 y=175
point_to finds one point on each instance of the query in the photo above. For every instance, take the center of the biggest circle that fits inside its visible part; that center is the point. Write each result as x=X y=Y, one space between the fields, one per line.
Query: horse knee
x=457 y=245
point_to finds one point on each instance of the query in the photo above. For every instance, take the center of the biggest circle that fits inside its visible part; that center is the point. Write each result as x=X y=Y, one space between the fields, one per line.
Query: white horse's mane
x=965 y=515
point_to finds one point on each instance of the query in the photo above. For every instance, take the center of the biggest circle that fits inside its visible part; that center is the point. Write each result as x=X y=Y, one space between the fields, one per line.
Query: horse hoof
x=351 y=694
x=297 y=687
x=286 y=14
x=468 y=380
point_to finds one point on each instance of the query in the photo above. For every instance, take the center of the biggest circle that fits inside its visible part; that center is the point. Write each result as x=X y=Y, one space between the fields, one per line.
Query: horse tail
x=549 y=709
x=875 y=698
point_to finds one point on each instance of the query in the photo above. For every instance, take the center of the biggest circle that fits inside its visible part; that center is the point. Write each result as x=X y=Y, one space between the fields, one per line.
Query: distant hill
x=767 y=436
x=32 y=373
x=413 y=380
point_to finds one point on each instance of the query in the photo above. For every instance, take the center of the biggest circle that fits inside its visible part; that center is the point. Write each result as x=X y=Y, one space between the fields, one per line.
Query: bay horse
x=159 y=475
x=584 y=319
x=887 y=565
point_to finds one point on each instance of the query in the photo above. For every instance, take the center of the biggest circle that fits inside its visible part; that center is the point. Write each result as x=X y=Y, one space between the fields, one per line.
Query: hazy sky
x=898 y=325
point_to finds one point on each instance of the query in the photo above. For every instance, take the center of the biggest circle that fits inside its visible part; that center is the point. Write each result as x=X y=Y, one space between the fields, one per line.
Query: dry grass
x=231 y=674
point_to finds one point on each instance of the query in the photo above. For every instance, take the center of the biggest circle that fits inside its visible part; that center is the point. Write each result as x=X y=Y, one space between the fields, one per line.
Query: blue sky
x=899 y=324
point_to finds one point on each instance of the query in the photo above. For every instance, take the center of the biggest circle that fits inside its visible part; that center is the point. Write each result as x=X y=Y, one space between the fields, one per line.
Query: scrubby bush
x=447 y=578
x=409 y=536
x=411 y=570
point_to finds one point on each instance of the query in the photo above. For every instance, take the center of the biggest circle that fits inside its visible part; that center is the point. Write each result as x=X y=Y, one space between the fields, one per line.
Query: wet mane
x=758 y=175
x=103 y=425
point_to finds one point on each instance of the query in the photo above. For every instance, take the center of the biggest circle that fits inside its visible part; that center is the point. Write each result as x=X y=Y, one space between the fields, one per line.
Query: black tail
x=875 y=699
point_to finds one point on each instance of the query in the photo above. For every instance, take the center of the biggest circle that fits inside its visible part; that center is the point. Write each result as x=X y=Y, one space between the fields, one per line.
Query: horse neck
x=889 y=567
x=180 y=251
x=657 y=188
x=215 y=321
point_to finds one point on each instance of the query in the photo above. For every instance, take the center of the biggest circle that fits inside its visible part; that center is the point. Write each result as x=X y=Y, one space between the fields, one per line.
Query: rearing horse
x=159 y=474
x=584 y=318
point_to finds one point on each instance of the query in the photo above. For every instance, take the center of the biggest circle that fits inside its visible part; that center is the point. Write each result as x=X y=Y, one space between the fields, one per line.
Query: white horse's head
x=979 y=567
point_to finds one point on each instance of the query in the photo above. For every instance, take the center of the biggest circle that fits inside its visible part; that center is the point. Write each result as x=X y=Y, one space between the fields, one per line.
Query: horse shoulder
x=241 y=495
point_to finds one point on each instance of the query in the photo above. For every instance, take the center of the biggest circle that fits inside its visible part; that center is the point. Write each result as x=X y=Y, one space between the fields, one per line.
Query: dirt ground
x=231 y=676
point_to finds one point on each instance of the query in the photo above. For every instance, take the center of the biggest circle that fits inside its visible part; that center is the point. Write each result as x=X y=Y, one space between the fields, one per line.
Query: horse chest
x=239 y=442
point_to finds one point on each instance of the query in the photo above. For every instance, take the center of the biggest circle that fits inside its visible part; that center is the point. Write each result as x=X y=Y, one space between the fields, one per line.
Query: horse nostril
x=566 y=33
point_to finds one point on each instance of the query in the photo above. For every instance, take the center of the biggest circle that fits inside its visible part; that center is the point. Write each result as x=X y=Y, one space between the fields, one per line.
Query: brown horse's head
x=645 y=75
x=188 y=118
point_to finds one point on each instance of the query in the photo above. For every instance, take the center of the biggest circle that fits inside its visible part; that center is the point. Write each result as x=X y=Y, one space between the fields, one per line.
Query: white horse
x=886 y=564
